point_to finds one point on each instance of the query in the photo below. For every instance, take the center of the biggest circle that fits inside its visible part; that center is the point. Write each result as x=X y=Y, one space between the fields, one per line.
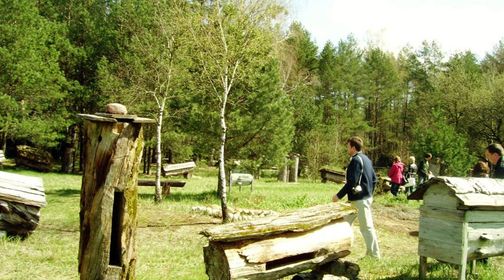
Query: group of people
x=401 y=175
x=361 y=181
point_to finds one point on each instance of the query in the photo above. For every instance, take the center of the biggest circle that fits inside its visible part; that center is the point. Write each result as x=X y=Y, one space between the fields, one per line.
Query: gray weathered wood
x=21 y=198
x=22 y=189
x=461 y=220
x=184 y=168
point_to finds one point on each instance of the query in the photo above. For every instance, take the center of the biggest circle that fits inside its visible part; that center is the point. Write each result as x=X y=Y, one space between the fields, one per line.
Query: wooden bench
x=184 y=168
x=165 y=185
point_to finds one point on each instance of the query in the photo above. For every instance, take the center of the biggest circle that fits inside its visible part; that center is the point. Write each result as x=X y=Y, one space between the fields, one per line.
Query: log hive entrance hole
x=115 y=237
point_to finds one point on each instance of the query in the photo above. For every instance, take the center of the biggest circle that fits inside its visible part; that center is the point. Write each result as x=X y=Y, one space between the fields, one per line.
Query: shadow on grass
x=64 y=192
x=447 y=270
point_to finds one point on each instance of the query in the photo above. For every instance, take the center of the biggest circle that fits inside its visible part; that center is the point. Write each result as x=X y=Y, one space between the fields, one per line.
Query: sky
x=455 y=25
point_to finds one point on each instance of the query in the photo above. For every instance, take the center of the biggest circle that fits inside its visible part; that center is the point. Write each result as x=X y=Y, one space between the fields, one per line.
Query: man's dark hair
x=495 y=148
x=356 y=141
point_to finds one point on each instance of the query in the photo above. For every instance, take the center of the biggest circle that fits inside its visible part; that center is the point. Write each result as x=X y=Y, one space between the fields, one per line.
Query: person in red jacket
x=396 y=175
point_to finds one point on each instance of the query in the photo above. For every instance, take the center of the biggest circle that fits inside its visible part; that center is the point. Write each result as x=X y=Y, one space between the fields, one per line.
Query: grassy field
x=169 y=243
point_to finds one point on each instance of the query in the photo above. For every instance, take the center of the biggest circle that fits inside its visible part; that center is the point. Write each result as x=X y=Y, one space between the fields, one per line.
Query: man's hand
x=335 y=198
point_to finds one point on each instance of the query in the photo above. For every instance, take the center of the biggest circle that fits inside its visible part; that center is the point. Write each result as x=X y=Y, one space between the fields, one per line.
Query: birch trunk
x=222 y=171
x=158 y=196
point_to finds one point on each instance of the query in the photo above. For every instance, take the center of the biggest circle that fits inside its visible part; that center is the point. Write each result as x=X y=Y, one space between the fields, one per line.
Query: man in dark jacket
x=360 y=172
x=494 y=154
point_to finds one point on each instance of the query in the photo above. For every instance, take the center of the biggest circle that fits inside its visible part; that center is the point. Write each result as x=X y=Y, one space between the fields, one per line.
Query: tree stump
x=113 y=147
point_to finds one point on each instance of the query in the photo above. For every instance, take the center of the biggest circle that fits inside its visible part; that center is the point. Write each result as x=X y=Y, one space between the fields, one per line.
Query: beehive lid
x=471 y=191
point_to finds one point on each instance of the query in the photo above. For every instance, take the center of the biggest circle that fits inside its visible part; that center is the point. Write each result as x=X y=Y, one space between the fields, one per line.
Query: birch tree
x=229 y=35
x=151 y=66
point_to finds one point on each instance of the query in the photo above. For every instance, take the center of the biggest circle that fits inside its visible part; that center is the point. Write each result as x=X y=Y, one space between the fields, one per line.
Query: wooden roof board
x=22 y=189
x=470 y=190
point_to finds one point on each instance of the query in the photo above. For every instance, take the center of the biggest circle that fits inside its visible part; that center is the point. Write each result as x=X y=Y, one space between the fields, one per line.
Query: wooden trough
x=185 y=169
x=327 y=174
x=274 y=247
x=21 y=198
x=461 y=220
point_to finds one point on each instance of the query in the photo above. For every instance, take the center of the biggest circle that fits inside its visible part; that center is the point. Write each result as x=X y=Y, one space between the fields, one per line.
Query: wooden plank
x=440 y=230
x=296 y=221
x=95 y=118
x=164 y=183
x=286 y=245
x=484 y=216
x=21 y=180
x=442 y=213
x=463 y=256
x=440 y=250
x=22 y=189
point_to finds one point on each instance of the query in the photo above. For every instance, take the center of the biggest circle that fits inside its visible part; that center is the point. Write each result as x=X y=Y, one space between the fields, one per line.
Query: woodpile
x=34 y=158
x=278 y=246
x=21 y=198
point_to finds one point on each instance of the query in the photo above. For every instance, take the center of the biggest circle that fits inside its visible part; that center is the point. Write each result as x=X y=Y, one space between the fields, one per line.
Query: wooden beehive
x=274 y=247
x=21 y=198
x=113 y=147
x=461 y=219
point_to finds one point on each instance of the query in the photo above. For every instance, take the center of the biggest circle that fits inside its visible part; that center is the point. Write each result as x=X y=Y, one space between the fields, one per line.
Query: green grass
x=169 y=245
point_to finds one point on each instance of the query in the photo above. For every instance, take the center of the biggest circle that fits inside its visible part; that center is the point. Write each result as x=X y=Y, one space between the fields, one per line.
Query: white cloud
x=456 y=25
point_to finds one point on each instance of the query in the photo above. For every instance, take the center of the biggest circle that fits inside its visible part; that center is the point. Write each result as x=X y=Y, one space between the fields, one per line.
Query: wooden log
x=274 y=247
x=34 y=158
x=108 y=214
x=327 y=174
x=297 y=221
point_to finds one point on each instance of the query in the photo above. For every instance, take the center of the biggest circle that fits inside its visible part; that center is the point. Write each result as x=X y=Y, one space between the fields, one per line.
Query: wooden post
x=294 y=167
x=113 y=145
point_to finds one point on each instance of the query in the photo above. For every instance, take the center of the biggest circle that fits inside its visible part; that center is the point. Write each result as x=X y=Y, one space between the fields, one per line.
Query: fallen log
x=274 y=247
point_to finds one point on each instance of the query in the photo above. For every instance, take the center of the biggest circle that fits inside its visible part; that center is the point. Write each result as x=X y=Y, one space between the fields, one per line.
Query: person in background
x=493 y=154
x=396 y=175
x=360 y=172
x=411 y=173
x=423 y=169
